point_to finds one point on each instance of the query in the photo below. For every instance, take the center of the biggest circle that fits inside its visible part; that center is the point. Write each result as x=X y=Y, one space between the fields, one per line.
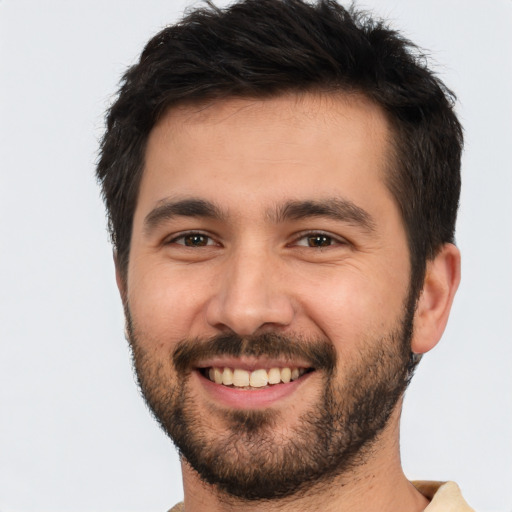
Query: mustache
x=319 y=353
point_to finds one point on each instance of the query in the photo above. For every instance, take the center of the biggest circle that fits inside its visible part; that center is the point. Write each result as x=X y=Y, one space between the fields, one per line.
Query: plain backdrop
x=74 y=433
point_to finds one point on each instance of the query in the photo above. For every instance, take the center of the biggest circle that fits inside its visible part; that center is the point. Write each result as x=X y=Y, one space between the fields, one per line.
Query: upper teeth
x=255 y=379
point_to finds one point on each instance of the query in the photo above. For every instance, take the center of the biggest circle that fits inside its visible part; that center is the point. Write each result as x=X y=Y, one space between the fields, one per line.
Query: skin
x=258 y=272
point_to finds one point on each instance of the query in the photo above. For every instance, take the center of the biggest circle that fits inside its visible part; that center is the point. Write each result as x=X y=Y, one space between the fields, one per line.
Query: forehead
x=266 y=150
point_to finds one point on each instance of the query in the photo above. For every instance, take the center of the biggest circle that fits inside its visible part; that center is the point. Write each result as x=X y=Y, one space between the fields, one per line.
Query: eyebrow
x=169 y=209
x=338 y=209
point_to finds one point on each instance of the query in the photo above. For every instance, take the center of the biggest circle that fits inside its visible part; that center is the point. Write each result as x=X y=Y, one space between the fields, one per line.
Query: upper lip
x=251 y=363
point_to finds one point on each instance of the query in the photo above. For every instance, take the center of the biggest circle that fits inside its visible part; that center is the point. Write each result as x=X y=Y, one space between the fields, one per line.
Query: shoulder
x=444 y=496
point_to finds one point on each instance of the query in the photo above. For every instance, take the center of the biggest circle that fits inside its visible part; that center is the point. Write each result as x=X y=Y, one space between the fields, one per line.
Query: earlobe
x=121 y=284
x=442 y=279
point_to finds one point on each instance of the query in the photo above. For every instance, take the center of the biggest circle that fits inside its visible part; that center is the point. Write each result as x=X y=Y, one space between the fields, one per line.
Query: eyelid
x=337 y=239
x=173 y=239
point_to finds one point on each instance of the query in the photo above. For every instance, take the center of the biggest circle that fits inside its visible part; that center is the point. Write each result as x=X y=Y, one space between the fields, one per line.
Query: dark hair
x=263 y=48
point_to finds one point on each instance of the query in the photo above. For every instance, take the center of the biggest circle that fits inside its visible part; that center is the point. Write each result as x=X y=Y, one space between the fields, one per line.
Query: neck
x=377 y=485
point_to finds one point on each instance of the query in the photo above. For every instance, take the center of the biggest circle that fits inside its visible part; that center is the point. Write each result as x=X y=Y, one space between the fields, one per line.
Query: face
x=267 y=289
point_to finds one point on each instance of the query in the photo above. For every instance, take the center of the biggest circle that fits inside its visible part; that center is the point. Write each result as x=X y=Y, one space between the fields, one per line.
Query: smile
x=255 y=379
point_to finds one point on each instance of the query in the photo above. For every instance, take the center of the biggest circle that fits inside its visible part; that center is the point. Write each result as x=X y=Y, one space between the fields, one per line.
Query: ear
x=120 y=280
x=442 y=279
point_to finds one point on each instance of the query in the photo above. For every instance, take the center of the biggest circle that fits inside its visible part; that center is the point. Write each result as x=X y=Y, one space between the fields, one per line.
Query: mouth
x=255 y=379
x=248 y=382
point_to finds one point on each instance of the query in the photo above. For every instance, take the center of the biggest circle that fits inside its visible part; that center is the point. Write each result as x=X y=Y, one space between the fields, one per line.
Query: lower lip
x=250 y=398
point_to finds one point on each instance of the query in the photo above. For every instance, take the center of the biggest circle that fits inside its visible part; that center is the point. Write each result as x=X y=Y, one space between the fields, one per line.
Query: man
x=282 y=182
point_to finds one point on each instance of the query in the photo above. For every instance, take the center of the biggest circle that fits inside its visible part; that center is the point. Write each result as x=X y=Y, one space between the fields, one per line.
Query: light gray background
x=74 y=434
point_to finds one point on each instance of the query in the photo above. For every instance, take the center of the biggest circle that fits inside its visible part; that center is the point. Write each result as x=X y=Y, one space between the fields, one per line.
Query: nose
x=250 y=295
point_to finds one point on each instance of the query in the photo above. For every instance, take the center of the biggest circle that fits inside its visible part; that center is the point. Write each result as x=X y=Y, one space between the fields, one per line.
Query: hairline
x=392 y=168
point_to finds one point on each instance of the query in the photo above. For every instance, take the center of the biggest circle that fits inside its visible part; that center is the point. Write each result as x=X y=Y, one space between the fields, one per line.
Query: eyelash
x=332 y=240
x=183 y=236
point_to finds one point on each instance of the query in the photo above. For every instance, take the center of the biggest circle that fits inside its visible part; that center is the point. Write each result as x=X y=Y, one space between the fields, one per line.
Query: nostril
x=249 y=315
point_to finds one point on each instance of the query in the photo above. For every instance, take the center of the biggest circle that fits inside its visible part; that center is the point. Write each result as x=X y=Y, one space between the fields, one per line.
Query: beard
x=256 y=454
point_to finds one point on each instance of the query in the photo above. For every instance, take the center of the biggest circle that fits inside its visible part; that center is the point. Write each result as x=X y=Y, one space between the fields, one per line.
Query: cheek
x=352 y=305
x=165 y=305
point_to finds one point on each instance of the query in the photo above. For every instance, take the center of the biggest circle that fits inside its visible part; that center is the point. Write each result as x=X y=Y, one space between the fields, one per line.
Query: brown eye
x=195 y=240
x=319 y=240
